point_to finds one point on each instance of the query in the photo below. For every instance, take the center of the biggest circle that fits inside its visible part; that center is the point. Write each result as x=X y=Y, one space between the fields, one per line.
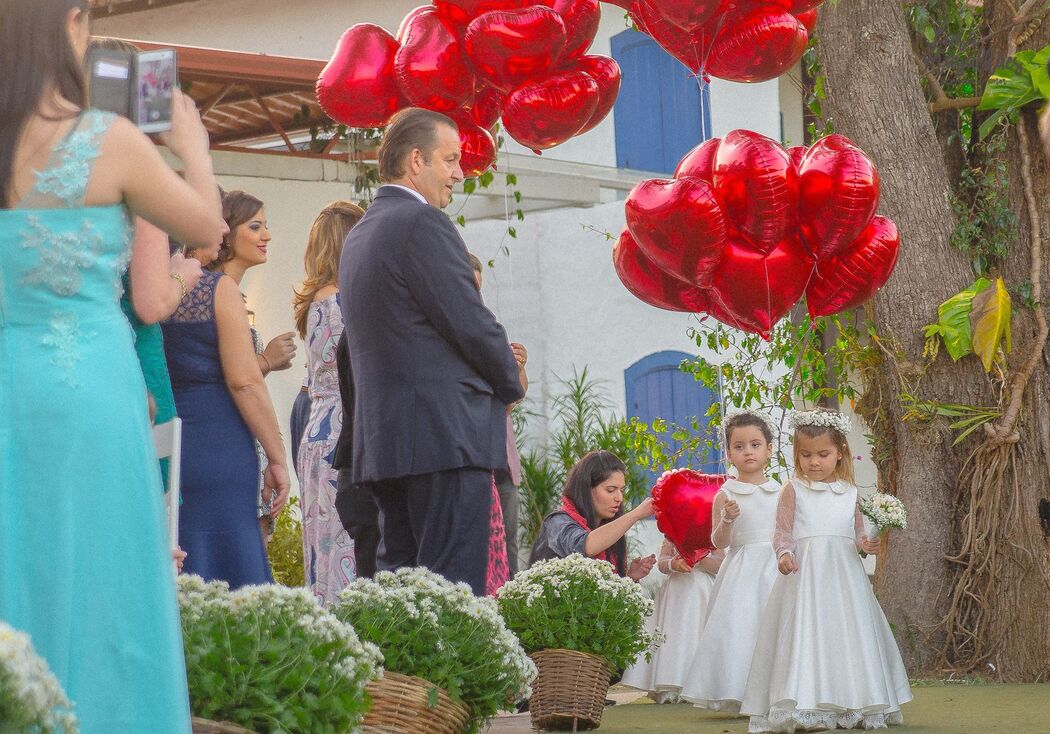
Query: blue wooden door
x=656 y=388
x=661 y=112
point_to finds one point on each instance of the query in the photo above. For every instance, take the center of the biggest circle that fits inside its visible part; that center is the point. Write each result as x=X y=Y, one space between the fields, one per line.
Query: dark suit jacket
x=343 y=456
x=432 y=368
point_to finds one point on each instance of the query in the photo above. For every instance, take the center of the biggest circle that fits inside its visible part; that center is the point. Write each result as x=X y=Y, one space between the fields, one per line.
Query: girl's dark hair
x=238 y=207
x=740 y=420
x=589 y=472
x=33 y=41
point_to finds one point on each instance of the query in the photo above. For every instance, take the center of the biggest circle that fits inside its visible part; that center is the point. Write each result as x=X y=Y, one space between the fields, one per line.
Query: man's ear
x=415 y=161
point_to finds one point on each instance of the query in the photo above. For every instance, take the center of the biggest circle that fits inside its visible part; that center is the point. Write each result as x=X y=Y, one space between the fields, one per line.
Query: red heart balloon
x=689 y=48
x=846 y=281
x=606 y=72
x=476 y=144
x=795 y=153
x=757 y=45
x=650 y=284
x=758 y=187
x=838 y=190
x=682 y=502
x=689 y=15
x=700 y=161
x=430 y=66
x=679 y=226
x=402 y=28
x=511 y=48
x=756 y=290
x=487 y=107
x=550 y=112
x=581 y=18
x=461 y=12
x=809 y=20
x=357 y=86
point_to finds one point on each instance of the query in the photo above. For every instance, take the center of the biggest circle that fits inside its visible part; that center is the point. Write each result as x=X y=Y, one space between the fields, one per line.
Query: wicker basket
x=205 y=726
x=399 y=706
x=569 y=694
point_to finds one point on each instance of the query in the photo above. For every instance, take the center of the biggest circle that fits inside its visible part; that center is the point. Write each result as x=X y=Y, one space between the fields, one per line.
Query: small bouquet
x=883 y=511
x=31 y=698
x=578 y=603
x=431 y=628
x=269 y=658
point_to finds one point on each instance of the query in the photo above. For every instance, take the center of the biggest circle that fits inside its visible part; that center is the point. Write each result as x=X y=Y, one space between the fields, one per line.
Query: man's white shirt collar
x=411 y=191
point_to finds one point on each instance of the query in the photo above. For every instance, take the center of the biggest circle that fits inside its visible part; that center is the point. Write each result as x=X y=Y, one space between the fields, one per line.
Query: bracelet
x=268 y=367
x=727 y=521
x=182 y=284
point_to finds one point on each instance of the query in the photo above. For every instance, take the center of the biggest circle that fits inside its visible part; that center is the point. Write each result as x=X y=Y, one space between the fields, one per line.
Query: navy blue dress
x=218 y=527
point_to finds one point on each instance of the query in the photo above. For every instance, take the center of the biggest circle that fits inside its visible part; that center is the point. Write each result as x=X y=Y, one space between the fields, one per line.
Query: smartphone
x=137 y=86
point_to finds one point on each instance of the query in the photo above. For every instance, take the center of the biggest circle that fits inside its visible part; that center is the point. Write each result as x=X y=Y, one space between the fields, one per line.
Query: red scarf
x=570 y=509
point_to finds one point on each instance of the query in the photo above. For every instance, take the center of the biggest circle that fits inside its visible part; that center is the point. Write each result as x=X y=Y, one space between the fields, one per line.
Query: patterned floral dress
x=328 y=552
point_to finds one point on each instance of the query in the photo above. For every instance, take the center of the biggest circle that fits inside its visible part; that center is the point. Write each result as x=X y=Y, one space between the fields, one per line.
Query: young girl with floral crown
x=681 y=607
x=745 y=508
x=825 y=656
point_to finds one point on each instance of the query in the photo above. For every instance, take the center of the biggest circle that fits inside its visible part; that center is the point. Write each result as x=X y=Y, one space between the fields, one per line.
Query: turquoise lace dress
x=84 y=563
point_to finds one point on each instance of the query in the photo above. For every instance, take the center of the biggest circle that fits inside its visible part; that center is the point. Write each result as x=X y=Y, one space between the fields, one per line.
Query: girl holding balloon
x=746 y=510
x=681 y=607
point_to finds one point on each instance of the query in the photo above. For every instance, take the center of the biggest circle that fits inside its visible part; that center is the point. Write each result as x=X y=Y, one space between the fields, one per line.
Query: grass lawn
x=948 y=708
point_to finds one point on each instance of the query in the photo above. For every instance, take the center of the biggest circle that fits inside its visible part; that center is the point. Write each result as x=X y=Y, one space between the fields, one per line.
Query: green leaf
x=953 y=325
x=470 y=185
x=990 y=317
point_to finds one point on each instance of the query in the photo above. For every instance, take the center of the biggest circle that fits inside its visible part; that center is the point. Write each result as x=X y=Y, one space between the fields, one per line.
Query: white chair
x=167 y=441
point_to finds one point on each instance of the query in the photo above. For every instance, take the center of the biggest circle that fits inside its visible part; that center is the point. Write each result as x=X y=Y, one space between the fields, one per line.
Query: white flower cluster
x=730 y=414
x=822 y=418
x=31 y=698
x=266 y=608
x=559 y=574
x=884 y=511
x=428 y=599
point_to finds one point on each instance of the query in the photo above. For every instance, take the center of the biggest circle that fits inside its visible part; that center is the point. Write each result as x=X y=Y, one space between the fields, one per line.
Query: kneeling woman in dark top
x=591 y=520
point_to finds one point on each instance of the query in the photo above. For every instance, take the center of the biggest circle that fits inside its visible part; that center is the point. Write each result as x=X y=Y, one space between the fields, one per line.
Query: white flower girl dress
x=718 y=673
x=825 y=655
x=681 y=606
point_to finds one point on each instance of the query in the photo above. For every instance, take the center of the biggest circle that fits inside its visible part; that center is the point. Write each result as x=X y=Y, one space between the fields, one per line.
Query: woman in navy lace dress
x=224 y=405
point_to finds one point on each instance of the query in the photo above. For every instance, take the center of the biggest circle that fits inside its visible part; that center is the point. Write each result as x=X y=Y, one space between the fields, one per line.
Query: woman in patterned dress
x=328 y=552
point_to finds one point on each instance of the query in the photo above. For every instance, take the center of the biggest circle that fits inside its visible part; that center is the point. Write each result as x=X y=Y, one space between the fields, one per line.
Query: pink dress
x=328 y=552
x=499 y=568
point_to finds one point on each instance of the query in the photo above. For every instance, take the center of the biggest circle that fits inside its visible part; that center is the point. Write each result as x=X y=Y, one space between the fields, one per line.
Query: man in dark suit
x=432 y=369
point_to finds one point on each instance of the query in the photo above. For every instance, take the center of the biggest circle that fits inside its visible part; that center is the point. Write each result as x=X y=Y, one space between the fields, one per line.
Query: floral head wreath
x=821 y=418
x=730 y=415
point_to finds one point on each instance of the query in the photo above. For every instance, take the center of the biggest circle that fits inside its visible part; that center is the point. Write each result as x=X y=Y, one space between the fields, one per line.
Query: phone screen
x=155 y=81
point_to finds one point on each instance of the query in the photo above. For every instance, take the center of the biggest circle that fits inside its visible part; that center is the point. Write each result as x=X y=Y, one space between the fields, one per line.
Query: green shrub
x=286 y=546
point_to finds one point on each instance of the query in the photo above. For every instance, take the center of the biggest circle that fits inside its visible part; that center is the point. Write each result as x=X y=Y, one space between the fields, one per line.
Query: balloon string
x=702 y=65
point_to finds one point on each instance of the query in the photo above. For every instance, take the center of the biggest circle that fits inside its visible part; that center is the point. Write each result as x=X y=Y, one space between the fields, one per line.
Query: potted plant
x=31 y=698
x=579 y=621
x=450 y=662
x=270 y=659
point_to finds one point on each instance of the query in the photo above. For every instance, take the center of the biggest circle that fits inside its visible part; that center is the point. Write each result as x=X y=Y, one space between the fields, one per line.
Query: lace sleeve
x=721 y=531
x=860 y=533
x=710 y=563
x=667 y=554
x=784 y=535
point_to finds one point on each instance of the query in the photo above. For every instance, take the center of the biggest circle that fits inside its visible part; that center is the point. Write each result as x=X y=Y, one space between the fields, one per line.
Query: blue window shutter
x=656 y=388
x=660 y=113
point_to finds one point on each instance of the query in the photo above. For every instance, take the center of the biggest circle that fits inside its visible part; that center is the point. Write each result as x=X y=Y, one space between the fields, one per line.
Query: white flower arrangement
x=428 y=627
x=296 y=667
x=734 y=412
x=581 y=604
x=31 y=698
x=884 y=511
x=823 y=418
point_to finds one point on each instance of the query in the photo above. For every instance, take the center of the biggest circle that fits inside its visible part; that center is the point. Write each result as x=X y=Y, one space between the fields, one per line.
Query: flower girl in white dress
x=746 y=508
x=825 y=656
x=681 y=606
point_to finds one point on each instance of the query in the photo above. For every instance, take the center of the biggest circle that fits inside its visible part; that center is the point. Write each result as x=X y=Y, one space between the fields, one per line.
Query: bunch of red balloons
x=738 y=40
x=746 y=228
x=477 y=61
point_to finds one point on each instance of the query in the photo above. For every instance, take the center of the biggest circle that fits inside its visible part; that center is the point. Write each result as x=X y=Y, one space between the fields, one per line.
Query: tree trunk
x=875 y=97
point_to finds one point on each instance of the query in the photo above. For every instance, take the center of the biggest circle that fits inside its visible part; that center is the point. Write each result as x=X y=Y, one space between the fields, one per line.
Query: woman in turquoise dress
x=84 y=563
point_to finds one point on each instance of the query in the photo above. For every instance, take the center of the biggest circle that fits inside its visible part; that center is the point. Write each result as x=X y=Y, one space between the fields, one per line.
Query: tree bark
x=875 y=97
